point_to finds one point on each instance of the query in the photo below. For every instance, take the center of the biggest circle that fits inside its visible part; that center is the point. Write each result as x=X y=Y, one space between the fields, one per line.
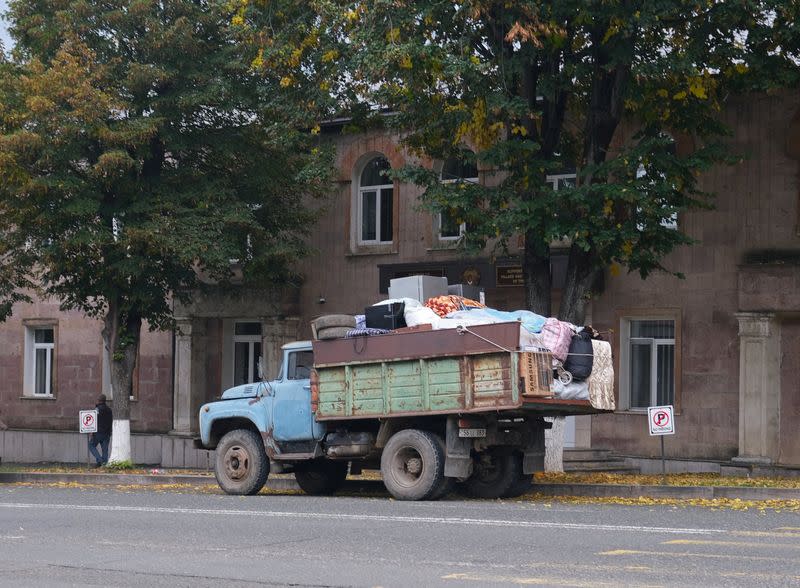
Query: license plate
x=472 y=433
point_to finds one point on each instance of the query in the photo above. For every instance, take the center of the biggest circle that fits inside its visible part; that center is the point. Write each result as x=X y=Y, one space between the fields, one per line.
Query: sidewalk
x=279 y=482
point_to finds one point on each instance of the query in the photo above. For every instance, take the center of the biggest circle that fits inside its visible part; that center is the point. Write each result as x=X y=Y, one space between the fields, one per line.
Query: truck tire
x=447 y=484
x=332 y=333
x=320 y=477
x=241 y=465
x=493 y=475
x=412 y=465
x=523 y=484
x=335 y=320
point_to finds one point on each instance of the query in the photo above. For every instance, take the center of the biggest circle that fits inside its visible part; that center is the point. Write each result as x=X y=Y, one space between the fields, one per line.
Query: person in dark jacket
x=103 y=434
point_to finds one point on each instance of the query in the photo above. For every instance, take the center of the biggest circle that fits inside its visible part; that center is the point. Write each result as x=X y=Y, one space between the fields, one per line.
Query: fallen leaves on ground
x=701 y=479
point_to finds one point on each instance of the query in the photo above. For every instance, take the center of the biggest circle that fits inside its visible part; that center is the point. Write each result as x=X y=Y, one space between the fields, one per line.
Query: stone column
x=182 y=393
x=276 y=332
x=759 y=387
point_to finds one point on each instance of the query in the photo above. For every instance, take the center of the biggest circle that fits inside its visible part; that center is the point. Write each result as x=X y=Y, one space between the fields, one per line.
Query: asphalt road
x=52 y=536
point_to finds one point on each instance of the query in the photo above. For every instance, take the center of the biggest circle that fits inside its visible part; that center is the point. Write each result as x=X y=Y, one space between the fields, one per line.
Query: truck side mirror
x=260 y=369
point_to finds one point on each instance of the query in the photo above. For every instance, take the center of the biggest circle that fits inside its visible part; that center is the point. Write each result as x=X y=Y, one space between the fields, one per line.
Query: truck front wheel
x=412 y=465
x=241 y=465
x=494 y=474
x=321 y=476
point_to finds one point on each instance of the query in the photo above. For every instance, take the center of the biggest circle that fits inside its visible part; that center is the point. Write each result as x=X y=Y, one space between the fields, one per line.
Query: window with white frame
x=561 y=181
x=669 y=219
x=455 y=170
x=39 y=364
x=246 y=352
x=648 y=362
x=375 y=203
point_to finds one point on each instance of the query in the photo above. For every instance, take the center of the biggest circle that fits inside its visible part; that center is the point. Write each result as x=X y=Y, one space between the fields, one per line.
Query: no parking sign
x=660 y=419
x=88 y=421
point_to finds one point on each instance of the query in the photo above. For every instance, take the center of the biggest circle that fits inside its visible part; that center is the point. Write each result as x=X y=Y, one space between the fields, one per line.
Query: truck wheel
x=412 y=465
x=446 y=485
x=332 y=333
x=493 y=475
x=241 y=465
x=335 y=320
x=321 y=476
x=522 y=485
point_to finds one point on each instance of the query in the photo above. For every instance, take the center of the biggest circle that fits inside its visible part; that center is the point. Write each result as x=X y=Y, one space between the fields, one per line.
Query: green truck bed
x=428 y=373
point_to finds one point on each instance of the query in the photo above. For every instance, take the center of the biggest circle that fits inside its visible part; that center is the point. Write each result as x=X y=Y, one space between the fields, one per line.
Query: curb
x=273 y=483
x=554 y=490
x=680 y=492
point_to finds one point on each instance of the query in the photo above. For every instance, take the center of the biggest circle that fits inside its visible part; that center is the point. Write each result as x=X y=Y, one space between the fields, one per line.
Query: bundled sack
x=580 y=356
x=556 y=336
x=444 y=305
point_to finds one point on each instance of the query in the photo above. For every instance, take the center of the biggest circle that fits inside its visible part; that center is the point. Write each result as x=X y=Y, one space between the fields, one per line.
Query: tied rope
x=461 y=329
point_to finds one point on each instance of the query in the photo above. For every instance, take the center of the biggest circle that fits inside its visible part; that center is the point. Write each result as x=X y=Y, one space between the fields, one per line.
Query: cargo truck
x=429 y=409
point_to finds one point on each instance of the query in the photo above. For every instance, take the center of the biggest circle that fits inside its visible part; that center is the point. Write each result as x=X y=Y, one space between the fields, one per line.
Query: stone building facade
x=722 y=345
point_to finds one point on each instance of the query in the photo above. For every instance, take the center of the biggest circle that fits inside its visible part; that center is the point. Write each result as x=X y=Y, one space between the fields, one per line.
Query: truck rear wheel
x=412 y=465
x=493 y=475
x=522 y=485
x=241 y=465
x=321 y=476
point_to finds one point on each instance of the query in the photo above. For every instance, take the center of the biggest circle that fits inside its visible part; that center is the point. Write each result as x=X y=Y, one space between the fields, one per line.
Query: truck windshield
x=299 y=365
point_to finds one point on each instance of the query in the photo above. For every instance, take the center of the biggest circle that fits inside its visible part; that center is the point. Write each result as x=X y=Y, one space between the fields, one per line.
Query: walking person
x=103 y=434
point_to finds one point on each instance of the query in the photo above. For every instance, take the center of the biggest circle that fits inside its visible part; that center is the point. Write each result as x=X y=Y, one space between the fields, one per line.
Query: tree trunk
x=121 y=332
x=579 y=278
x=536 y=272
x=554 y=445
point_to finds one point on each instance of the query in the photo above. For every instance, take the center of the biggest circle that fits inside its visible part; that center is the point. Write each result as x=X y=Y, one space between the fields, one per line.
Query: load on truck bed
x=468 y=370
x=427 y=408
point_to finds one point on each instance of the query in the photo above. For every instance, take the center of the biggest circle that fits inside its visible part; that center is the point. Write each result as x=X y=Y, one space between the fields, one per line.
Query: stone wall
x=79 y=373
x=756 y=209
x=66 y=447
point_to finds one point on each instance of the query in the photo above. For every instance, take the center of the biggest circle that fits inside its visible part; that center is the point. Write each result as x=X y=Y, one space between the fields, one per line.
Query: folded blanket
x=601 y=380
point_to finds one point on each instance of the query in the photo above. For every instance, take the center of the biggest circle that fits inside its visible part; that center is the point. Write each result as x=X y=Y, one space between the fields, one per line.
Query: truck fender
x=240 y=412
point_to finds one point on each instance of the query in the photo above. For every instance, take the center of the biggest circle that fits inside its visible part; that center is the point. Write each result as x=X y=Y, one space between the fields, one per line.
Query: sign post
x=88 y=421
x=661 y=421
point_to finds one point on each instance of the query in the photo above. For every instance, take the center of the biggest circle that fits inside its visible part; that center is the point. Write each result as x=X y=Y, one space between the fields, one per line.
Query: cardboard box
x=536 y=370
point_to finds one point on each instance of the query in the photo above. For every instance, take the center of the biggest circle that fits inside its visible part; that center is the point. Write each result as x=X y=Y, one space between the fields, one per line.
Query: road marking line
x=758 y=576
x=366 y=517
x=731 y=543
x=689 y=554
x=793 y=529
x=762 y=534
x=533 y=581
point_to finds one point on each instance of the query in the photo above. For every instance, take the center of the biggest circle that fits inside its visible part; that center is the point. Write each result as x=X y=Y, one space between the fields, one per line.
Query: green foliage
x=140 y=153
x=537 y=88
x=120 y=466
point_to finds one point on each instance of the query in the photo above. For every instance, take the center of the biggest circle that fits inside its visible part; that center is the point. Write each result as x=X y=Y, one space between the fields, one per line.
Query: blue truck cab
x=266 y=425
x=279 y=410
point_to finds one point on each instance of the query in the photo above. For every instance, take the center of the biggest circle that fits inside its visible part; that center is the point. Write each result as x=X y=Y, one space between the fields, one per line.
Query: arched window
x=456 y=169
x=375 y=206
x=670 y=218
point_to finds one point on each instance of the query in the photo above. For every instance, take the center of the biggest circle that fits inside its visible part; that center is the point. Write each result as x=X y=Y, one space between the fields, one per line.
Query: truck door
x=291 y=408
